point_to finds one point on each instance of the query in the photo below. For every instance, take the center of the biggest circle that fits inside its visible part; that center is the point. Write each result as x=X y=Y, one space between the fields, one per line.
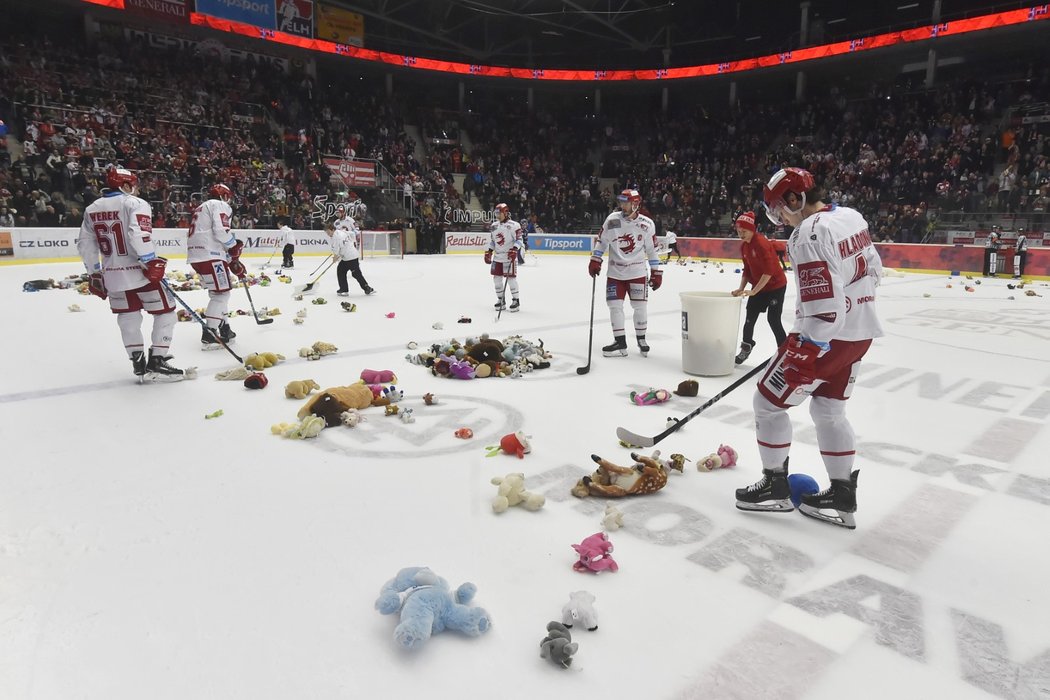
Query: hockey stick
x=590 y=334
x=260 y=321
x=642 y=441
x=201 y=321
x=267 y=263
x=319 y=266
x=502 y=298
x=310 y=285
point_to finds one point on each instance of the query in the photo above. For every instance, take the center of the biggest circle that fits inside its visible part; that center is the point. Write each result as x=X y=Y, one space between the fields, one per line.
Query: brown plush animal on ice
x=613 y=481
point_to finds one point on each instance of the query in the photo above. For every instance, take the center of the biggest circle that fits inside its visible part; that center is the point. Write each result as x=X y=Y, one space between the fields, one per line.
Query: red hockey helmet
x=631 y=196
x=502 y=208
x=117 y=178
x=220 y=191
x=783 y=181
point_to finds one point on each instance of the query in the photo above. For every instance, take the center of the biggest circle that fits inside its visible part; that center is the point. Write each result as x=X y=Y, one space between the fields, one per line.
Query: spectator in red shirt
x=763 y=271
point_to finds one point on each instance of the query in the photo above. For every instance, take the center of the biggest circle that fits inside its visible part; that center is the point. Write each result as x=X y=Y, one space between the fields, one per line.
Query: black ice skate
x=342 y=294
x=369 y=291
x=210 y=339
x=138 y=363
x=771 y=493
x=745 y=352
x=841 y=497
x=514 y=306
x=617 y=349
x=158 y=369
x=225 y=332
x=500 y=305
x=643 y=347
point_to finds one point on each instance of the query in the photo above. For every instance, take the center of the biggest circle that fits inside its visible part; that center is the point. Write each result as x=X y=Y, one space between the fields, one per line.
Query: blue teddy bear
x=427 y=605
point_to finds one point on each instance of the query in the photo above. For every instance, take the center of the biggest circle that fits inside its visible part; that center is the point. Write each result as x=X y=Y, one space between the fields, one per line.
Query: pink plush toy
x=378 y=376
x=651 y=397
x=725 y=457
x=595 y=555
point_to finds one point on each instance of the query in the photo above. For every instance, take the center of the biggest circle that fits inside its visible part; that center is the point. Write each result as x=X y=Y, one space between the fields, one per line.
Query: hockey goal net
x=375 y=244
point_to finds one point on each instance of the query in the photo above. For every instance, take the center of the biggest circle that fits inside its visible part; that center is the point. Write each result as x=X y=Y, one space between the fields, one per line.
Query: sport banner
x=259 y=13
x=352 y=173
x=341 y=26
x=167 y=10
x=296 y=17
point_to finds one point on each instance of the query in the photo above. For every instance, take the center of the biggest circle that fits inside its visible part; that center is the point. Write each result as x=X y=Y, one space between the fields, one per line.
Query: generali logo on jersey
x=814 y=281
x=296 y=17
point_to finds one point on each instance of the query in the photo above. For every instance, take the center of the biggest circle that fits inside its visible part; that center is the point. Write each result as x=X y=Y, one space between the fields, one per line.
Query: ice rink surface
x=146 y=552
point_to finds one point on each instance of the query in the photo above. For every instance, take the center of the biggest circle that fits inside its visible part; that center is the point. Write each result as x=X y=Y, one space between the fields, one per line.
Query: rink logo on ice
x=814 y=281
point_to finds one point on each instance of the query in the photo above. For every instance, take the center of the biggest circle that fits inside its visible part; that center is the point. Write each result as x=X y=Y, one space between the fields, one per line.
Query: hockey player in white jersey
x=630 y=238
x=502 y=256
x=116 y=247
x=837 y=270
x=214 y=253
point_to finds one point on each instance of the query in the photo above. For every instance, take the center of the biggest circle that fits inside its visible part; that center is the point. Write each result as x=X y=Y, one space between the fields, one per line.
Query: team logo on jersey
x=500 y=238
x=145 y=223
x=814 y=281
x=627 y=243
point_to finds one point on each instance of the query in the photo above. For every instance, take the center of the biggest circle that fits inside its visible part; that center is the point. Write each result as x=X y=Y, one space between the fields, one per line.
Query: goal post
x=375 y=244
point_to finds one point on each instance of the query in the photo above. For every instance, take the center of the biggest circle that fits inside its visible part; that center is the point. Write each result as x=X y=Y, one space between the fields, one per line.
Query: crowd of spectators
x=897 y=152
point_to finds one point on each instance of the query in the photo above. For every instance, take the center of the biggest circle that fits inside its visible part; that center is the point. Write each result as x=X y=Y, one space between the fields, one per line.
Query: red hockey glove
x=595 y=267
x=155 y=269
x=235 y=250
x=237 y=268
x=488 y=257
x=800 y=361
x=656 y=279
x=97 y=285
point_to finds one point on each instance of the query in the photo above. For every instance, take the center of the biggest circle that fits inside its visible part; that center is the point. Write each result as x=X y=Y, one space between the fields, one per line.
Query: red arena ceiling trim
x=962 y=26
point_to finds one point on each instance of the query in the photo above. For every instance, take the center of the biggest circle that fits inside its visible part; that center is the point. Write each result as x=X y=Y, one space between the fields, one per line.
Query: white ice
x=146 y=552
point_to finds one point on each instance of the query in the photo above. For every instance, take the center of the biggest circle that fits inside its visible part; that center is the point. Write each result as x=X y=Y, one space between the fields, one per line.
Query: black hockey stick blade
x=645 y=441
x=590 y=333
x=196 y=317
x=259 y=321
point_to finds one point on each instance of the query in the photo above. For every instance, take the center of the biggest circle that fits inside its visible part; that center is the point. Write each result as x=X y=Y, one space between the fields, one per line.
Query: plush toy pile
x=481 y=357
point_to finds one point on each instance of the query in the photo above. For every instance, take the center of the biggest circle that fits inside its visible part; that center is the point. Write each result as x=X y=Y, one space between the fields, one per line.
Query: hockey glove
x=155 y=269
x=237 y=268
x=97 y=285
x=595 y=267
x=656 y=279
x=235 y=250
x=488 y=257
x=800 y=361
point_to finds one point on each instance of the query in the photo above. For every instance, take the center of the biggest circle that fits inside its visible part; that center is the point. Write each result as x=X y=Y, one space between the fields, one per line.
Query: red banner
x=352 y=173
x=168 y=10
x=899 y=256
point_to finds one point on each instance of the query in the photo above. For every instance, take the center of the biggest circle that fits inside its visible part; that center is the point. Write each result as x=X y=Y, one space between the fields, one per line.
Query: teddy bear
x=512 y=493
x=486 y=350
x=612 y=518
x=318 y=350
x=558 y=645
x=392 y=409
x=406 y=416
x=580 y=608
x=309 y=427
x=328 y=407
x=354 y=396
x=427 y=605
x=300 y=388
x=262 y=360
x=351 y=417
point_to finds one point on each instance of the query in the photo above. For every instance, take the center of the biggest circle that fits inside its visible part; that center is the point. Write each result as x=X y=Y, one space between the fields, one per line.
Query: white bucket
x=710 y=326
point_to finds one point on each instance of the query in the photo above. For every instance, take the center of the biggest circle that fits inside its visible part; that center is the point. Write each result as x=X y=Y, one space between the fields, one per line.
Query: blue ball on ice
x=800 y=485
x=737 y=270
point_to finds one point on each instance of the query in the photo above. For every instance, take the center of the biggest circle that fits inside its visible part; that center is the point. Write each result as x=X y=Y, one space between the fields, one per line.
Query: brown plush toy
x=354 y=396
x=488 y=350
x=613 y=481
x=330 y=408
x=300 y=388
